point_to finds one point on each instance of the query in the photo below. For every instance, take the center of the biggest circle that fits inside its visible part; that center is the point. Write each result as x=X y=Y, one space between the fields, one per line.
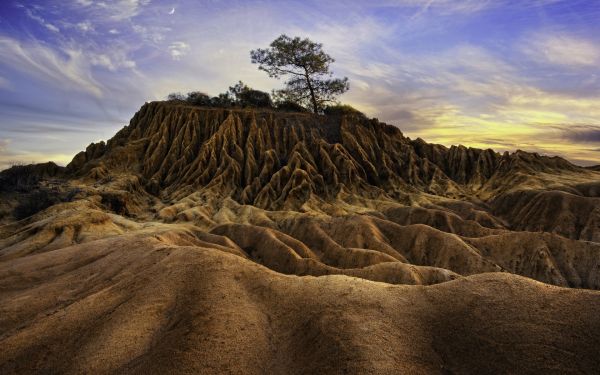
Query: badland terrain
x=249 y=241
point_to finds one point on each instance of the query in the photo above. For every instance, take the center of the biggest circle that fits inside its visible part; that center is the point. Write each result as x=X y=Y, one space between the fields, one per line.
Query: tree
x=306 y=64
x=237 y=89
x=222 y=100
x=175 y=96
x=246 y=96
x=198 y=98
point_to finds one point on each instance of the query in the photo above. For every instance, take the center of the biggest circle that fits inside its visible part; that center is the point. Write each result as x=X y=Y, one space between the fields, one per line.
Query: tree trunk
x=312 y=93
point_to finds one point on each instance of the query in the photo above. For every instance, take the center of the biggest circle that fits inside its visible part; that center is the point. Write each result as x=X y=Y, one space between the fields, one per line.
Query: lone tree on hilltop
x=310 y=83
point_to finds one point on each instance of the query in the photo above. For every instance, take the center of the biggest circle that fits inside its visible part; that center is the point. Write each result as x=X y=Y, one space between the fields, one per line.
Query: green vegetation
x=310 y=84
x=341 y=110
x=238 y=95
x=289 y=106
x=245 y=96
x=241 y=95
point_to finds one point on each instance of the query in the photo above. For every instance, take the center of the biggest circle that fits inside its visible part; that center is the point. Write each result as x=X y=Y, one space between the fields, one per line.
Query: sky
x=501 y=74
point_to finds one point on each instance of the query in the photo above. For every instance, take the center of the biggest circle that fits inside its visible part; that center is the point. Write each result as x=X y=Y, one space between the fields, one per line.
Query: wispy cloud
x=178 y=49
x=117 y=60
x=116 y=10
x=581 y=132
x=423 y=8
x=85 y=26
x=154 y=34
x=560 y=49
x=67 y=68
x=446 y=7
x=31 y=14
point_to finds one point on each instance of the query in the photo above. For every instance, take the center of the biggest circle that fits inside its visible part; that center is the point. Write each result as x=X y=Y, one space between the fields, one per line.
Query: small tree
x=308 y=67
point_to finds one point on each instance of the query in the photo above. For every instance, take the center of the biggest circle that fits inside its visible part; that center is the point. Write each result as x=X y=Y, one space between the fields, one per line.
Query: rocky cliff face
x=282 y=160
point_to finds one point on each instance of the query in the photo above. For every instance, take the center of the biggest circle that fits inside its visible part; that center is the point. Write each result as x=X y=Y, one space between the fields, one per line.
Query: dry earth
x=203 y=240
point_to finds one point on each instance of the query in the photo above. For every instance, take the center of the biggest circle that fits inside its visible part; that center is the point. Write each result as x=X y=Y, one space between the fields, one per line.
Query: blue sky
x=504 y=74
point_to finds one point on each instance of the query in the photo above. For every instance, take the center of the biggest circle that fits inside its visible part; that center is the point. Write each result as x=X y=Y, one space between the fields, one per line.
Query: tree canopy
x=310 y=81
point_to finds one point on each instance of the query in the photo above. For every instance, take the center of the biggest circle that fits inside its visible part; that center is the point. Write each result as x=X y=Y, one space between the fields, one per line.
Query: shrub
x=246 y=96
x=238 y=95
x=223 y=100
x=18 y=179
x=341 y=110
x=72 y=194
x=237 y=89
x=255 y=98
x=198 y=98
x=290 y=106
x=35 y=202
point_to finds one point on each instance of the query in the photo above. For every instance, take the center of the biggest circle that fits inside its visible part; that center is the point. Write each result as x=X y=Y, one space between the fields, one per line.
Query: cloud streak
x=30 y=13
x=581 y=133
x=116 y=10
x=562 y=50
x=65 y=68
x=178 y=49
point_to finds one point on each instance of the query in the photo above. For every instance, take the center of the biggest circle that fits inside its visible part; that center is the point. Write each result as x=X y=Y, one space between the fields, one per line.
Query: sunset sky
x=503 y=74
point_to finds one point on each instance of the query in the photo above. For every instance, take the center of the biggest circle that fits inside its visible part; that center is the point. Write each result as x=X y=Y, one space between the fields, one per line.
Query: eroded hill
x=146 y=247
